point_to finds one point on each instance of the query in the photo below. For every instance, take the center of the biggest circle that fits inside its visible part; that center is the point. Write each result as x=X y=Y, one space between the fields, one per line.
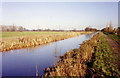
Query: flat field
x=17 y=40
x=18 y=34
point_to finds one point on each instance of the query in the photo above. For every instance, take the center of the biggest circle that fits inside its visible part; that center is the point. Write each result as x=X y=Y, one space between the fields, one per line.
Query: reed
x=12 y=43
x=94 y=58
x=73 y=63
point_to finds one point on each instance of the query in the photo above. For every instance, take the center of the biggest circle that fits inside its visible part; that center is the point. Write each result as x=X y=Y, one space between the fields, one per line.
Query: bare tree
x=14 y=28
x=21 y=28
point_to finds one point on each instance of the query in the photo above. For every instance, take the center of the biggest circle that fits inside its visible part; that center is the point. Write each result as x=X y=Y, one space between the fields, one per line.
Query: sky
x=60 y=15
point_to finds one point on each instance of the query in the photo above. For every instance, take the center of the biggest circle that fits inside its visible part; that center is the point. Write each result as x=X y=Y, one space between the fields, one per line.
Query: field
x=94 y=57
x=17 y=40
x=18 y=34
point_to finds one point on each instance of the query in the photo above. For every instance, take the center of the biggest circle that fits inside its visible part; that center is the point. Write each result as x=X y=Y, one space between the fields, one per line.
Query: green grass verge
x=104 y=59
x=114 y=37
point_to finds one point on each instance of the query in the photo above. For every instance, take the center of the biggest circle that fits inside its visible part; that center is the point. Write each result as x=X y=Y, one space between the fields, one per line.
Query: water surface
x=22 y=62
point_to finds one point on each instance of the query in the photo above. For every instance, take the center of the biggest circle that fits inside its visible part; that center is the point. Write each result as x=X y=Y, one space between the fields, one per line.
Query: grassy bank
x=103 y=62
x=93 y=58
x=37 y=38
x=114 y=37
x=73 y=63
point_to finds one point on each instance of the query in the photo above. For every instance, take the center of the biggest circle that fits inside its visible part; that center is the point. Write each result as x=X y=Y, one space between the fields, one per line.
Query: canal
x=23 y=62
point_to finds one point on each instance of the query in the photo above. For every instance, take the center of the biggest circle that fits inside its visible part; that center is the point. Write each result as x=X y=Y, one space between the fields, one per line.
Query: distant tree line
x=12 y=28
x=90 y=29
x=20 y=28
x=110 y=29
x=50 y=30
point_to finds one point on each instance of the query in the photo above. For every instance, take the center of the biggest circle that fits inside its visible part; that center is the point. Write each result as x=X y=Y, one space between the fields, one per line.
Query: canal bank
x=23 y=62
x=94 y=58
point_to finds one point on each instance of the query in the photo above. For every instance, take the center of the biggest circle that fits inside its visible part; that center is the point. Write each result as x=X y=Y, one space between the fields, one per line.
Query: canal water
x=23 y=62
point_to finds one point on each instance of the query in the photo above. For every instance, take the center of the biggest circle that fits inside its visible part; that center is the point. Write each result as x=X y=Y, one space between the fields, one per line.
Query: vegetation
x=111 y=30
x=104 y=61
x=114 y=37
x=11 y=28
x=94 y=58
x=27 y=33
x=73 y=63
x=35 y=38
x=90 y=29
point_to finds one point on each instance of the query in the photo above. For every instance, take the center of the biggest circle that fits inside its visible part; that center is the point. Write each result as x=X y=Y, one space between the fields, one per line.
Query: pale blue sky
x=63 y=15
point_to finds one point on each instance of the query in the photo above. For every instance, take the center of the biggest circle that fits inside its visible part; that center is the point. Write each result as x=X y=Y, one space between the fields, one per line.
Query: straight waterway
x=23 y=62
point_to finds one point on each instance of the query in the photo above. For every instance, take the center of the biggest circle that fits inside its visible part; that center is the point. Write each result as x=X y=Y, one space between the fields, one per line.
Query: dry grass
x=94 y=58
x=73 y=63
x=11 y=43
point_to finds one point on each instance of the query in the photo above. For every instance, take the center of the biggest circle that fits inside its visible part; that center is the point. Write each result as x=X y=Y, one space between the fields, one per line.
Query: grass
x=73 y=62
x=17 y=40
x=104 y=59
x=94 y=58
x=16 y=34
x=114 y=37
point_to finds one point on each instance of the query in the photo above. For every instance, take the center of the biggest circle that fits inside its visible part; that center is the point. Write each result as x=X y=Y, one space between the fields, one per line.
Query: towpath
x=115 y=48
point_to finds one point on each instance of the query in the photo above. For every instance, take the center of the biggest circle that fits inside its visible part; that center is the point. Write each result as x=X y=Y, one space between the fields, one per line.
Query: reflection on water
x=23 y=62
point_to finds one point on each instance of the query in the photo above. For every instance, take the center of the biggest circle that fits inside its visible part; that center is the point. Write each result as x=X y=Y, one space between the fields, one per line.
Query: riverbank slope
x=93 y=58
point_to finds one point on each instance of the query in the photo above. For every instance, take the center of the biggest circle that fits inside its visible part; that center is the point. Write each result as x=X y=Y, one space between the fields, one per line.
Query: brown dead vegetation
x=73 y=63
x=94 y=58
x=30 y=41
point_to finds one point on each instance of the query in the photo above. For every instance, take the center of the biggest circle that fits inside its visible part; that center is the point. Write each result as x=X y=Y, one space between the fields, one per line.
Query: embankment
x=12 y=43
x=93 y=58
